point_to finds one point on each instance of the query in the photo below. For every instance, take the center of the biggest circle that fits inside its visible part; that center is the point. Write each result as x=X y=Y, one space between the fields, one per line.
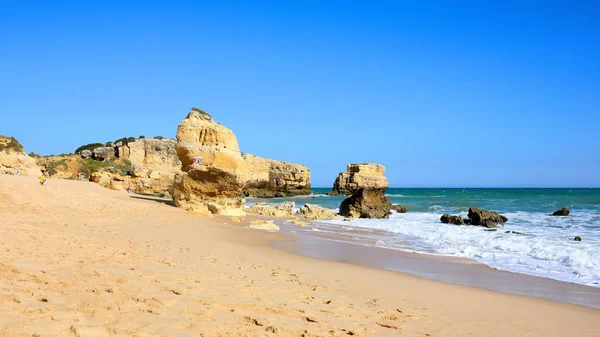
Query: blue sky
x=466 y=94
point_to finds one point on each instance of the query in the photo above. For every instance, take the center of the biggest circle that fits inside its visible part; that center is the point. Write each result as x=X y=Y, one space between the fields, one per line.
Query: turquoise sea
x=543 y=245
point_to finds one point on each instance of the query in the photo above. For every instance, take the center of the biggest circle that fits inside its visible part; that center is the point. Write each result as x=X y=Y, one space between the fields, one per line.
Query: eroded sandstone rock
x=12 y=155
x=453 y=219
x=214 y=170
x=399 y=208
x=279 y=210
x=270 y=178
x=485 y=218
x=364 y=175
x=314 y=212
x=366 y=203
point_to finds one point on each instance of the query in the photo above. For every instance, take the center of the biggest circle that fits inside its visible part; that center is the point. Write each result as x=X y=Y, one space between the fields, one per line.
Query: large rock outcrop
x=214 y=172
x=477 y=217
x=12 y=154
x=270 y=178
x=216 y=175
x=489 y=219
x=363 y=175
x=366 y=203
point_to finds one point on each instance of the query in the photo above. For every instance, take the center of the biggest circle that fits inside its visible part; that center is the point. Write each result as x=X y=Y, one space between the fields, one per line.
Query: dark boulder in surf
x=577 y=238
x=485 y=218
x=453 y=219
x=561 y=212
x=399 y=208
x=366 y=203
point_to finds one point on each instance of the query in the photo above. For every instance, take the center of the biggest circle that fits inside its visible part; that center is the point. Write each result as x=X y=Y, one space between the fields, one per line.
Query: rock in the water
x=561 y=212
x=399 y=208
x=282 y=209
x=577 y=238
x=366 y=203
x=270 y=178
x=363 y=175
x=103 y=153
x=264 y=225
x=452 y=219
x=485 y=218
x=314 y=212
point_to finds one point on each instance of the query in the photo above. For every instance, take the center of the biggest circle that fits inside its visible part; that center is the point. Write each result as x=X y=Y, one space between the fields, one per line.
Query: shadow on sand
x=155 y=199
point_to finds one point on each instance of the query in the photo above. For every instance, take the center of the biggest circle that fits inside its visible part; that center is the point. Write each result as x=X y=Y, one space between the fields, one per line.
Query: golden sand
x=80 y=260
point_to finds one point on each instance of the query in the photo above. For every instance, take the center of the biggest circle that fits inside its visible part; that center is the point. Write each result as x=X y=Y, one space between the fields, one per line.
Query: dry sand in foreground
x=80 y=260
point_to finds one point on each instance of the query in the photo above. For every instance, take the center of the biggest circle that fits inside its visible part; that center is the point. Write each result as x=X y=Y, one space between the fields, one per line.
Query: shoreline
x=84 y=260
x=446 y=269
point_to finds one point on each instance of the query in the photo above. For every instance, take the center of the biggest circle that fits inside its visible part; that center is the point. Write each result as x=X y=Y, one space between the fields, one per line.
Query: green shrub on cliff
x=12 y=145
x=90 y=147
x=53 y=165
x=118 y=166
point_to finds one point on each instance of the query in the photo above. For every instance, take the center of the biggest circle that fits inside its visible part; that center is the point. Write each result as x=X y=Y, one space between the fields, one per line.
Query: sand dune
x=80 y=260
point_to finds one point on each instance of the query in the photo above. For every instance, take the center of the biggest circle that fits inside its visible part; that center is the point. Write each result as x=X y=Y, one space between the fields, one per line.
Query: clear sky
x=443 y=93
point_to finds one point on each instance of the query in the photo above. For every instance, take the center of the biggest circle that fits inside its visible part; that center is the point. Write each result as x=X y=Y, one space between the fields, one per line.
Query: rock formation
x=561 y=212
x=363 y=175
x=214 y=172
x=366 y=203
x=452 y=219
x=314 y=212
x=266 y=225
x=399 y=208
x=477 y=217
x=279 y=210
x=103 y=153
x=12 y=154
x=489 y=219
x=272 y=178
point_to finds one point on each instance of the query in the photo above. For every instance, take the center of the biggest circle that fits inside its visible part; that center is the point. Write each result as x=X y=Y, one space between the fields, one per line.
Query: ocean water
x=543 y=245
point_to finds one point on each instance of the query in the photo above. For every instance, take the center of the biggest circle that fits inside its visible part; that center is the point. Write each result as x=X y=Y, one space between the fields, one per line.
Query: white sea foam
x=544 y=247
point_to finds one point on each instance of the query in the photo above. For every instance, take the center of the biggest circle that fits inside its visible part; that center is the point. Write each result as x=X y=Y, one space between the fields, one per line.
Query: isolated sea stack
x=363 y=175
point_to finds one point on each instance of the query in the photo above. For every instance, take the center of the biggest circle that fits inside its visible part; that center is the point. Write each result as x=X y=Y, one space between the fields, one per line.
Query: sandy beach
x=81 y=260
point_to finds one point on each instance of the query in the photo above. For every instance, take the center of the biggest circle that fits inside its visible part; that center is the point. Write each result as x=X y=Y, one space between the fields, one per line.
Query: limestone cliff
x=272 y=178
x=214 y=170
x=12 y=154
x=216 y=175
x=146 y=166
x=363 y=175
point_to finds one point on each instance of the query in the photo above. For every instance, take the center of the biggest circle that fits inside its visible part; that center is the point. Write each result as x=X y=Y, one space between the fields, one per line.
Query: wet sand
x=445 y=269
x=80 y=260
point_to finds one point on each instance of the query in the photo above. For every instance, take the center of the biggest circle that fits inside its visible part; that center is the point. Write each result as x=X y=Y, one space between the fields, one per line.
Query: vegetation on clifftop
x=118 y=166
x=11 y=145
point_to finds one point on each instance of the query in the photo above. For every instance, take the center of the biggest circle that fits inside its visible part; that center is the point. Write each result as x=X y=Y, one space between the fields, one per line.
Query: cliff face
x=214 y=172
x=146 y=166
x=216 y=175
x=363 y=175
x=12 y=155
x=271 y=178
